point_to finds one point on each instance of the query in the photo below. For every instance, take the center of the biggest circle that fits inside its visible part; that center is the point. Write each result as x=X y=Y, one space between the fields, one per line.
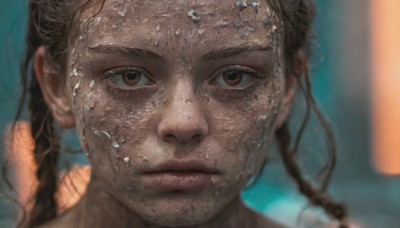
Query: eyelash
x=240 y=91
x=236 y=68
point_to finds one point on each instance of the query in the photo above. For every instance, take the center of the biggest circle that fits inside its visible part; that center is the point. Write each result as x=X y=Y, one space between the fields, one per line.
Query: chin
x=188 y=214
x=179 y=219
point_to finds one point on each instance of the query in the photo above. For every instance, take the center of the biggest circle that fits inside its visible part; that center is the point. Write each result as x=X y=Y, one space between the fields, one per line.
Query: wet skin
x=148 y=82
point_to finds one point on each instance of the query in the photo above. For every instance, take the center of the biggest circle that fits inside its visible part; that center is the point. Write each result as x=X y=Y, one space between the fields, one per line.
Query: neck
x=99 y=209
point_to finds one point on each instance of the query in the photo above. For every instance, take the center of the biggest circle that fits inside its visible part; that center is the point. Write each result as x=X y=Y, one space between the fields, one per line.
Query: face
x=176 y=102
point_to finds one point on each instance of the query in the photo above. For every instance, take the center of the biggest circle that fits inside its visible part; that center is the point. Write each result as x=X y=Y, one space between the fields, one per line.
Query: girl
x=176 y=104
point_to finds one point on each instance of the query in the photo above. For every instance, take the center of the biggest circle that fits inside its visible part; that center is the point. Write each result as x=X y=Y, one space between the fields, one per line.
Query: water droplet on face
x=76 y=87
x=177 y=32
x=194 y=15
x=241 y=4
x=127 y=159
x=158 y=28
x=255 y=4
x=237 y=25
x=74 y=72
x=115 y=144
x=92 y=84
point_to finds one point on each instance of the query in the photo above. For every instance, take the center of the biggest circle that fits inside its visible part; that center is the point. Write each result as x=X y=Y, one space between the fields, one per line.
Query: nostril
x=197 y=137
x=170 y=138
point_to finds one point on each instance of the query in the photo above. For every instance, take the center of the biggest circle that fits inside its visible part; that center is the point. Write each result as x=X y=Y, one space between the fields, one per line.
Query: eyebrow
x=214 y=54
x=137 y=52
x=232 y=51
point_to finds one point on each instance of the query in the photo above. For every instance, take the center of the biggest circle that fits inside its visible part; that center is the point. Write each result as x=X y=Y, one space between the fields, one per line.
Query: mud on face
x=152 y=81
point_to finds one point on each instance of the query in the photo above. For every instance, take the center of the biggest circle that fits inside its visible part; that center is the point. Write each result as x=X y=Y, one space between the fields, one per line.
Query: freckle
x=256 y=96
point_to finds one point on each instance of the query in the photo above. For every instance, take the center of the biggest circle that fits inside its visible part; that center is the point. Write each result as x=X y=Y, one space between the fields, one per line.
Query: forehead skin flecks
x=183 y=45
x=167 y=27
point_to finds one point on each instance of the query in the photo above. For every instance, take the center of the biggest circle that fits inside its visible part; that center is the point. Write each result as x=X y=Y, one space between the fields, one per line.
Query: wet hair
x=50 y=23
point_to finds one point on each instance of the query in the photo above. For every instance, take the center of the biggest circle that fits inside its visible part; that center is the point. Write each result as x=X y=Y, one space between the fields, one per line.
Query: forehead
x=179 y=23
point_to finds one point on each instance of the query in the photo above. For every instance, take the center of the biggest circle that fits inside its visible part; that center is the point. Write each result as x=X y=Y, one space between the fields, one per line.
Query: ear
x=52 y=84
x=292 y=77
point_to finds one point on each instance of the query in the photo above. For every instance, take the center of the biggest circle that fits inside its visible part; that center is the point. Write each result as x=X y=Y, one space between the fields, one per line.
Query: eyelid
x=236 y=68
x=239 y=68
x=251 y=71
x=115 y=71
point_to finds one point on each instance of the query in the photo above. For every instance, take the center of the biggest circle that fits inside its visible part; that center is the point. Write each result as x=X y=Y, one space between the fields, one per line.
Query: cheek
x=112 y=129
x=246 y=131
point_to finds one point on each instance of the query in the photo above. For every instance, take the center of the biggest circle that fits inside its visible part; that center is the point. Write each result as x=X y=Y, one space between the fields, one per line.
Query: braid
x=316 y=197
x=46 y=156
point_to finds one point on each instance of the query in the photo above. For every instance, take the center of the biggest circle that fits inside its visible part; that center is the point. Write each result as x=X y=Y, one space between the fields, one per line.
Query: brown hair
x=50 y=22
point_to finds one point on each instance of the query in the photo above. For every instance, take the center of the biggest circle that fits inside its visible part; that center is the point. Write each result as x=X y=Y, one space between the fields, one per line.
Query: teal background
x=373 y=200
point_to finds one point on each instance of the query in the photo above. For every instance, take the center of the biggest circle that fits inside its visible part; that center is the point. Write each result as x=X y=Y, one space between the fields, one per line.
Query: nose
x=183 y=120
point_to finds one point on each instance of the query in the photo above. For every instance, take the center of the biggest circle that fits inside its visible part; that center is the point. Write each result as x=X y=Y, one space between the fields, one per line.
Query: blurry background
x=356 y=79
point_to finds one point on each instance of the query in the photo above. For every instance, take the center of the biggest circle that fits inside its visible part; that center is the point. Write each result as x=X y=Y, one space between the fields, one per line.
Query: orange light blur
x=385 y=34
x=72 y=184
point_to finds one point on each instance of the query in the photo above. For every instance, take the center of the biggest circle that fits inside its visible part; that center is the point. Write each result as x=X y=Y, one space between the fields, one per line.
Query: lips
x=181 y=175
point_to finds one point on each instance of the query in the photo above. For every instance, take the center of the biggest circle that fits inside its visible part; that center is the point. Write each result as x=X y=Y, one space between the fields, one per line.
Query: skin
x=185 y=110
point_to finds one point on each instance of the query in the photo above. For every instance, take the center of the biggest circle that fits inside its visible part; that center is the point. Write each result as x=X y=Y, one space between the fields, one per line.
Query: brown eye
x=232 y=78
x=131 y=78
